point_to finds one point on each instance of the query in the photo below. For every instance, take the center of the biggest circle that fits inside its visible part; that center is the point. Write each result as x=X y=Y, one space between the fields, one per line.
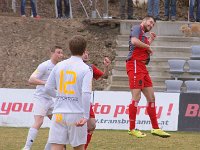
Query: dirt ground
x=24 y=43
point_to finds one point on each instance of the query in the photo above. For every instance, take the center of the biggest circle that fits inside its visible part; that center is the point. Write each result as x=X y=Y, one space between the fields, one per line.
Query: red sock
x=151 y=109
x=132 y=114
x=89 y=136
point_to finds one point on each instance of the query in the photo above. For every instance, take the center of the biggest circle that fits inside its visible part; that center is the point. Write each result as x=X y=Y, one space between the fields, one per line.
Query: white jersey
x=42 y=73
x=71 y=78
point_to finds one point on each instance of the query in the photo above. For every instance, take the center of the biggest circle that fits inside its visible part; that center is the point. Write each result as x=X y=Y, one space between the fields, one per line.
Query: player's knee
x=152 y=98
x=136 y=97
x=92 y=127
x=38 y=122
x=37 y=125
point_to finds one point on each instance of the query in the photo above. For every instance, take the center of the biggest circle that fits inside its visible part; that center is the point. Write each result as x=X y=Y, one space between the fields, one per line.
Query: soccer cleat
x=160 y=132
x=136 y=133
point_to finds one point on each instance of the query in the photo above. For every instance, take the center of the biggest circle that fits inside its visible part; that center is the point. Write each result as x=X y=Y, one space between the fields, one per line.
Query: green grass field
x=14 y=139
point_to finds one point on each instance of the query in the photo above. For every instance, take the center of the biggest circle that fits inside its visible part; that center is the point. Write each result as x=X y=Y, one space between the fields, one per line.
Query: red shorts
x=138 y=75
x=92 y=115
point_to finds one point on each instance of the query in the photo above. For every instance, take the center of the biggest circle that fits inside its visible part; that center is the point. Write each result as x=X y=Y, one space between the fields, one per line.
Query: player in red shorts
x=96 y=75
x=139 y=79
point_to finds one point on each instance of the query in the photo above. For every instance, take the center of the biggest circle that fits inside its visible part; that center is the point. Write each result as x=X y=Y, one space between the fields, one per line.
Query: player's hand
x=106 y=61
x=149 y=51
x=81 y=122
x=152 y=35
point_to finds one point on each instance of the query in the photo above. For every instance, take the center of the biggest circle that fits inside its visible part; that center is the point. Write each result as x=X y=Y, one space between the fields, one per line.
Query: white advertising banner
x=111 y=110
x=16 y=106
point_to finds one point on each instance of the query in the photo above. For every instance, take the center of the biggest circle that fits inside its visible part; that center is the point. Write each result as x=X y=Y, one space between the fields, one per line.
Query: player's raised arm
x=152 y=37
x=97 y=73
x=135 y=40
x=107 y=63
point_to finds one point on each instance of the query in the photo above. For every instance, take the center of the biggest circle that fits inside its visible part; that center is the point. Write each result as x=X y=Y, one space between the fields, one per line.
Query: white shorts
x=63 y=131
x=43 y=106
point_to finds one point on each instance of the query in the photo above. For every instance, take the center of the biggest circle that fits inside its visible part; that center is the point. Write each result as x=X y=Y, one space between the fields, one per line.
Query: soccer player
x=97 y=73
x=91 y=123
x=43 y=103
x=72 y=79
x=139 y=79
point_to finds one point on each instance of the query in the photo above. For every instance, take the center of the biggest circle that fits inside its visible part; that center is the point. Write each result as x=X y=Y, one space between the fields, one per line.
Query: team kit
x=64 y=87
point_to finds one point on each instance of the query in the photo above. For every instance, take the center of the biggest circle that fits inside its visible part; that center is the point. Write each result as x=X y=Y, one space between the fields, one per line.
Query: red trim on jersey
x=96 y=72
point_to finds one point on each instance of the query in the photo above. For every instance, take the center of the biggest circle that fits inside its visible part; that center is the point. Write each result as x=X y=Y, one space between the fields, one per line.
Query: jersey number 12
x=63 y=84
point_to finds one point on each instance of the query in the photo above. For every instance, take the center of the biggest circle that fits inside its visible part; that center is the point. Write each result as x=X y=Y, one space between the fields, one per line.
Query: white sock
x=31 y=137
x=47 y=146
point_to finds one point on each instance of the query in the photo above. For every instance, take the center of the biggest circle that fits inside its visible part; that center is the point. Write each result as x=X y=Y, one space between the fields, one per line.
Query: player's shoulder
x=61 y=64
x=136 y=27
x=90 y=65
x=85 y=67
x=44 y=64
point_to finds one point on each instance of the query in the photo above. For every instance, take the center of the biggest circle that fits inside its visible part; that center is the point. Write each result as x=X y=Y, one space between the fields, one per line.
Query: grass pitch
x=14 y=139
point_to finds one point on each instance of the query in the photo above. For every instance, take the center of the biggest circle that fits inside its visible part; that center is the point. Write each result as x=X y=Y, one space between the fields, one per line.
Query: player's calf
x=91 y=124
